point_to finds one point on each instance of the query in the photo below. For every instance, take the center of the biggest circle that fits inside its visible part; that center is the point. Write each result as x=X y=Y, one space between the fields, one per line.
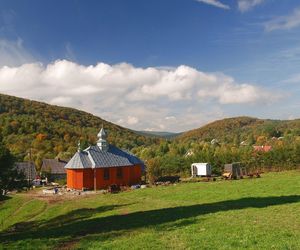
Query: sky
x=162 y=65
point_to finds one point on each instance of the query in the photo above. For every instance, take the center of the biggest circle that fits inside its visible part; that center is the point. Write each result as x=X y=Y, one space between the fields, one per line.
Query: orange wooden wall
x=84 y=178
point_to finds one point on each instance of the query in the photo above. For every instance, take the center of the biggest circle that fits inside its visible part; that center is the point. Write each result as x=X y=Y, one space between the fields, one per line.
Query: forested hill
x=242 y=128
x=52 y=131
x=159 y=134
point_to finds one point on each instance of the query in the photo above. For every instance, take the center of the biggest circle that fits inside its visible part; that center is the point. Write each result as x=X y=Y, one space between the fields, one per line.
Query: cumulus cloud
x=131 y=120
x=229 y=92
x=215 y=3
x=246 y=5
x=284 y=22
x=158 y=98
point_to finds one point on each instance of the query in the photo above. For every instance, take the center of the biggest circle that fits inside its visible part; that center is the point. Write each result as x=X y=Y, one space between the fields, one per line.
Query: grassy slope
x=255 y=214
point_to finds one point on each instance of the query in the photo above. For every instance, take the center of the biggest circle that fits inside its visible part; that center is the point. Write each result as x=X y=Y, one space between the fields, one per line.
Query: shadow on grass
x=70 y=217
x=4 y=198
x=77 y=223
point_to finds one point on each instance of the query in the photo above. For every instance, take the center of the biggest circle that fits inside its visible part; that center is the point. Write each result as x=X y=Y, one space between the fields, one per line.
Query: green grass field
x=244 y=214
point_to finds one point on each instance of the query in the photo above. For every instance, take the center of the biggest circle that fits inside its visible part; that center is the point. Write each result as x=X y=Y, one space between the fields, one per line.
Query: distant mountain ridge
x=243 y=127
x=161 y=134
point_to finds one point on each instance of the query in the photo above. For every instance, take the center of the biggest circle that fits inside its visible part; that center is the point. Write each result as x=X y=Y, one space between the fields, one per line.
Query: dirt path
x=20 y=208
x=40 y=212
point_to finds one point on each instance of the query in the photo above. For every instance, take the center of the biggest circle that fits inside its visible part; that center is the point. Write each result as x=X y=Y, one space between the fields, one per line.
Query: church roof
x=80 y=160
x=94 y=157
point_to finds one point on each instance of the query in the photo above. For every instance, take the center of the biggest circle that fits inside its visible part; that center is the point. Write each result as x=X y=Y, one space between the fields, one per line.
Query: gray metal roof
x=94 y=157
x=79 y=160
x=28 y=169
x=54 y=166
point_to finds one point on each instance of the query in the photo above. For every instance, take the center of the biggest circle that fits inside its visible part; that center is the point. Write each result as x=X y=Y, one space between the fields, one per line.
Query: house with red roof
x=262 y=148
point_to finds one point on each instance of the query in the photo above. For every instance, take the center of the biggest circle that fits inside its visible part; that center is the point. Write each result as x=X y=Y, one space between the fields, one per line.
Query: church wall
x=84 y=178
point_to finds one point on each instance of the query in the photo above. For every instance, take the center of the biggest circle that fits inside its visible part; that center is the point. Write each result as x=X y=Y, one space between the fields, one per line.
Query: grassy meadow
x=261 y=213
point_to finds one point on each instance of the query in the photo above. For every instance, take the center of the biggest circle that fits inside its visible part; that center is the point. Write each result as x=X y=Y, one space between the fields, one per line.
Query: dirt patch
x=124 y=212
x=68 y=245
x=52 y=198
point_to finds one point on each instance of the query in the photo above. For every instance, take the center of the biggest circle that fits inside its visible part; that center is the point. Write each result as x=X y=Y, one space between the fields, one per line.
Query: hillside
x=262 y=213
x=52 y=131
x=242 y=128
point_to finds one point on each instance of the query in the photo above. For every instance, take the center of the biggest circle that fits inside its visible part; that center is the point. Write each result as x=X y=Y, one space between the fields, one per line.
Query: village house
x=54 y=168
x=262 y=148
x=28 y=169
x=103 y=165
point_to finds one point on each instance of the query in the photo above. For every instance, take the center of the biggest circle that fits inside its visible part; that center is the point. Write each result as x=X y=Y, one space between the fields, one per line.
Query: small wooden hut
x=233 y=170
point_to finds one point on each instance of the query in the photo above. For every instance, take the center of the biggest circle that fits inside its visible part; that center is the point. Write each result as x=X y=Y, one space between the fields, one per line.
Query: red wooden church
x=100 y=166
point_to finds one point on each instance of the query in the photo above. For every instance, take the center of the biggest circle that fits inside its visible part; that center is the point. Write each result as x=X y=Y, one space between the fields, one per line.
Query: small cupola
x=102 y=142
x=78 y=147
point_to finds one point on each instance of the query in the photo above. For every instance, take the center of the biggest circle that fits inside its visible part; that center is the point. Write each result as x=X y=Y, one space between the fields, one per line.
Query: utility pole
x=29 y=170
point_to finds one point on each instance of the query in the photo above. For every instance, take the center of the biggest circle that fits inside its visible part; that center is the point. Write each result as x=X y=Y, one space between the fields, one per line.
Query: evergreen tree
x=9 y=177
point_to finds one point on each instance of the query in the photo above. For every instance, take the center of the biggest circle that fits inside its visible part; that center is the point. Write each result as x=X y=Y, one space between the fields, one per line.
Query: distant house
x=103 y=165
x=244 y=143
x=189 y=153
x=262 y=148
x=27 y=168
x=214 y=142
x=55 y=168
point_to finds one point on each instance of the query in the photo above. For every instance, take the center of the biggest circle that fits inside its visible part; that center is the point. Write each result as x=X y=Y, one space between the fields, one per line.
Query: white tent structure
x=201 y=169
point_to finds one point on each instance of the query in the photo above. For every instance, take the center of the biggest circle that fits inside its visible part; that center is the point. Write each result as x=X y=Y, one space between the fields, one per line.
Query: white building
x=201 y=169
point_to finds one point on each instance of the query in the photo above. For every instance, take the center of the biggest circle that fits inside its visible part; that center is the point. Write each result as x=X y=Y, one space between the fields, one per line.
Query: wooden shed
x=233 y=170
x=102 y=165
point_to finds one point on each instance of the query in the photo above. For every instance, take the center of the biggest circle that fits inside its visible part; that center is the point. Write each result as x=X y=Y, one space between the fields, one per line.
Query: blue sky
x=160 y=64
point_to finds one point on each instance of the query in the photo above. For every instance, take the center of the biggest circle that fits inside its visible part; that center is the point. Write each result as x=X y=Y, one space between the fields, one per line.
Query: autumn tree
x=153 y=170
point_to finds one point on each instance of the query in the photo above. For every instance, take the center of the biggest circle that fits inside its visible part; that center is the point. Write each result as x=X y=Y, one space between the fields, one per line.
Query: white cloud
x=215 y=3
x=284 y=22
x=246 y=5
x=173 y=99
x=293 y=79
x=170 y=118
x=132 y=120
x=62 y=100
x=229 y=92
x=13 y=53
